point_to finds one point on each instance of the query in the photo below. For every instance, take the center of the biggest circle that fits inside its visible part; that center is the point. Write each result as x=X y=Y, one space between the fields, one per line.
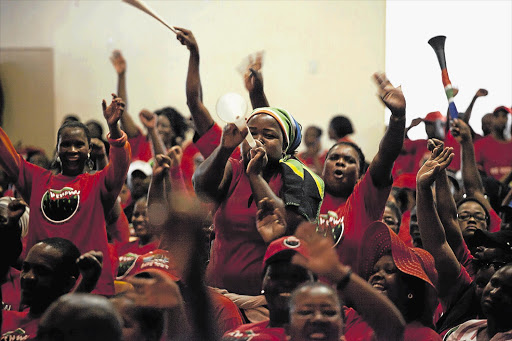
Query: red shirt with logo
x=255 y=332
x=69 y=207
x=364 y=206
x=11 y=291
x=19 y=326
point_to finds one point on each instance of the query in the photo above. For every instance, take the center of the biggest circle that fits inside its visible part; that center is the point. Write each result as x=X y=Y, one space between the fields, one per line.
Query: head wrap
x=291 y=129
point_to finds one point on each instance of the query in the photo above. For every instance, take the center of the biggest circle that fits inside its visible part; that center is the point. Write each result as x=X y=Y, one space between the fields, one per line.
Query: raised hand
x=438 y=160
x=232 y=136
x=392 y=97
x=323 y=259
x=415 y=122
x=461 y=131
x=15 y=210
x=253 y=78
x=175 y=154
x=270 y=220
x=159 y=291
x=114 y=111
x=434 y=143
x=481 y=93
x=90 y=264
x=118 y=62
x=259 y=159
x=186 y=38
x=147 y=118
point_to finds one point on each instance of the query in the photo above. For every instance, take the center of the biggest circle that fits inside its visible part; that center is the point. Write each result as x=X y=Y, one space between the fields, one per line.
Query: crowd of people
x=143 y=234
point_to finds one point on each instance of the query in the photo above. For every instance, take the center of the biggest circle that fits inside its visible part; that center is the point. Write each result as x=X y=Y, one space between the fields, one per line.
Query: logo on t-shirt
x=330 y=225
x=126 y=264
x=15 y=335
x=58 y=206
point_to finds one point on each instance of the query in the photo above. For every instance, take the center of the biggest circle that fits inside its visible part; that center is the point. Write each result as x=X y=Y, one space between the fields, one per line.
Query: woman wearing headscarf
x=237 y=186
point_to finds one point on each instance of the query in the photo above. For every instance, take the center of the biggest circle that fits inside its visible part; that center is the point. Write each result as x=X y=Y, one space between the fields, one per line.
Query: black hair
x=74 y=124
x=70 y=254
x=362 y=164
x=97 y=125
x=318 y=130
x=70 y=118
x=473 y=199
x=151 y=320
x=178 y=123
x=341 y=126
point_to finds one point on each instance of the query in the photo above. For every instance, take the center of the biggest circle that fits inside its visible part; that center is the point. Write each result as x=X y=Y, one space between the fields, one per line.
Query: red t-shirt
x=238 y=250
x=71 y=207
x=11 y=291
x=256 y=332
x=494 y=157
x=19 y=326
x=364 y=206
x=141 y=147
x=450 y=141
x=225 y=313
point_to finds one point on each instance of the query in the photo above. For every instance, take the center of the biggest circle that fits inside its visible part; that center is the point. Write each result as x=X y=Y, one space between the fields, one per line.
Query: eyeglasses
x=466 y=216
x=482 y=264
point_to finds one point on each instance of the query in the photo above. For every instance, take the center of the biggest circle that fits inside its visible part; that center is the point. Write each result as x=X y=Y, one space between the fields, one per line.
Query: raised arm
x=9 y=158
x=470 y=175
x=119 y=158
x=376 y=309
x=149 y=119
x=119 y=64
x=211 y=179
x=431 y=229
x=467 y=114
x=253 y=80
x=201 y=116
x=391 y=144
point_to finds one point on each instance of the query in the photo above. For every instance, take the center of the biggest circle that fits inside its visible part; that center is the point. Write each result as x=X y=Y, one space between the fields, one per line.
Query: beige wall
x=320 y=55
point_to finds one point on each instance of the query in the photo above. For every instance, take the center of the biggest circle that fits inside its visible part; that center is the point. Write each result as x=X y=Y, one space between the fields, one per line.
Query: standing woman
x=238 y=185
x=70 y=204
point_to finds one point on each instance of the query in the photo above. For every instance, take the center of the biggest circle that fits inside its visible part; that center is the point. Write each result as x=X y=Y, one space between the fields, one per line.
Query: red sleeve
x=495 y=224
x=9 y=159
x=356 y=328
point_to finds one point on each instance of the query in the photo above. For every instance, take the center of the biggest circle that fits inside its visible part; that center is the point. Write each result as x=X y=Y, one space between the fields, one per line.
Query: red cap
x=379 y=240
x=405 y=180
x=502 y=108
x=158 y=259
x=283 y=249
x=434 y=116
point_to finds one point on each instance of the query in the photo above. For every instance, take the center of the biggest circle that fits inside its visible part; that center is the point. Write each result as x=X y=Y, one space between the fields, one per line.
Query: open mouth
x=379 y=287
x=285 y=294
x=338 y=174
x=317 y=336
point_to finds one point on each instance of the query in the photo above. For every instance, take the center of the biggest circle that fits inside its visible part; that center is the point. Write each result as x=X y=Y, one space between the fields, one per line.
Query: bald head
x=80 y=317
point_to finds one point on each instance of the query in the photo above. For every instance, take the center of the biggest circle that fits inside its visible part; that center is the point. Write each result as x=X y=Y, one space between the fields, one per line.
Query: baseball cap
x=283 y=249
x=434 y=116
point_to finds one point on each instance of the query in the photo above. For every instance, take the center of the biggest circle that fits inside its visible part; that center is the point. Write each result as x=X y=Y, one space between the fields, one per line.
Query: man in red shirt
x=493 y=153
x=49 y=271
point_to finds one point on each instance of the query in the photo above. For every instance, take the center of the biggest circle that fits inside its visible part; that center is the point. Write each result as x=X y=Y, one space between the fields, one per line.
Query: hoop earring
x=410 y=295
